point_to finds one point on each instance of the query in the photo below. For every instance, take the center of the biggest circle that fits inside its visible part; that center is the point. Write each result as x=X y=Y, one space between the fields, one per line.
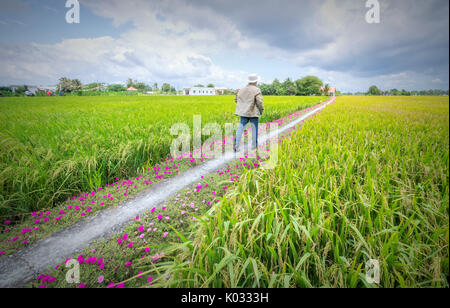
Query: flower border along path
x=23 y=265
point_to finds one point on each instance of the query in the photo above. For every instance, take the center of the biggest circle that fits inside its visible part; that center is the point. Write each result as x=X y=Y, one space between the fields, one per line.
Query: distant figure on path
x=250 y=108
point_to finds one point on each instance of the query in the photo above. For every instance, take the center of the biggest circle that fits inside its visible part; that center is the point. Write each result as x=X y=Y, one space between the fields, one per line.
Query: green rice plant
x=52 y=148
x=366 y=179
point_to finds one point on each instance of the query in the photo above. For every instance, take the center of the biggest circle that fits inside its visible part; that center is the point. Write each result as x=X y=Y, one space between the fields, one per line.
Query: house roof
x=131 y=89
x=331 y=89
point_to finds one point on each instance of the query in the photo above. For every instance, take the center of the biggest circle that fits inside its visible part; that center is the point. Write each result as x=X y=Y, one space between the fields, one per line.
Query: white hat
x=253 y=78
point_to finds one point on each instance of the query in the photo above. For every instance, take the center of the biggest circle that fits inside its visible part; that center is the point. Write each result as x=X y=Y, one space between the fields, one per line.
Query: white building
x=199 y=91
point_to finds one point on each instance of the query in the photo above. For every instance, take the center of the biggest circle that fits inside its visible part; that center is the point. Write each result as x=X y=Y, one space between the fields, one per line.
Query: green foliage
x=67 y=85
x=165 y=88
x=338 y=197
x=116 y=88
x=53 y=148
x=309 y=85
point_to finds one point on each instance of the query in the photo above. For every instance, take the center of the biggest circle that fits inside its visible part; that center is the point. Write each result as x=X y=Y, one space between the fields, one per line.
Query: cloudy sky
x=221 y=41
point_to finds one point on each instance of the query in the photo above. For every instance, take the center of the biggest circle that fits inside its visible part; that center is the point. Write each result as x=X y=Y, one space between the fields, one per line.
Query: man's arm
x=259 y=102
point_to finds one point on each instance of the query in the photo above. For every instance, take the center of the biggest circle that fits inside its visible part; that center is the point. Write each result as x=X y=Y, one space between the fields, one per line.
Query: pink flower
x=146 y=249
x=149 y=279
x=128 y=264
x=42 y=286
x=100 y=279
x=125 y=236
x=160 y=217
x=110 y=285
x=83 y=214
x=165 y=234
x=82 y=286
x=141 y=228
x=102 y=266
x=119 y=241
x=130 y=245
x=120 y=286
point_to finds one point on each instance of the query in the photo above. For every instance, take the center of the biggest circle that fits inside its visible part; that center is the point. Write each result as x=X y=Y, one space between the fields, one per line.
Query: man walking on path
x=250 y=108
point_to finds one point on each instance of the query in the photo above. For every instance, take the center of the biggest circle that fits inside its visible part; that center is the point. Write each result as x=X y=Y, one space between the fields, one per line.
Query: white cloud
x=178 y=41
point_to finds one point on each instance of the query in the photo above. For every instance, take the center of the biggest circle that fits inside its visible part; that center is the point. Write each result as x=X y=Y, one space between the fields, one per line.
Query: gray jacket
x=249 y=102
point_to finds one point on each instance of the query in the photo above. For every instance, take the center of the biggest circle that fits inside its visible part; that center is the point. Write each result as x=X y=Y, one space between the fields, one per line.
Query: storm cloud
x=182 y=41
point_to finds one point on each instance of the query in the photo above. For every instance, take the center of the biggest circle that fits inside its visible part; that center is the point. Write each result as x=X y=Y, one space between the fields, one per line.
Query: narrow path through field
x=25 y=264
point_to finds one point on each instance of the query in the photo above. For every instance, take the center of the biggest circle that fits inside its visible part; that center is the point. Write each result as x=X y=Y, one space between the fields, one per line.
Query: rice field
x=54 y=148
x=368 y=179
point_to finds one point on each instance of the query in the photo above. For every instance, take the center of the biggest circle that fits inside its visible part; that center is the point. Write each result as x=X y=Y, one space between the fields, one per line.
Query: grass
x=152 y=235
x=367 y=179
x=52 y=148
x=41 y=224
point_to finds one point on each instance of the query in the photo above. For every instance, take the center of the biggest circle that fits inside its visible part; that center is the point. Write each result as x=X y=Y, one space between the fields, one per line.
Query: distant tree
x=116 y=88
x=21 y=90
x=65 y=84
x=266 y=89
x=165 y=88
x=142 y=87
x=405 y=93
x=210 y=85
x=277 y=87
x=199 y=86
x=373 y=90
x=130 y=83
x=155 y=87
x=288 y=88
x=394 y=92
x=326 y=90
x=309 y=85
x=94 y=86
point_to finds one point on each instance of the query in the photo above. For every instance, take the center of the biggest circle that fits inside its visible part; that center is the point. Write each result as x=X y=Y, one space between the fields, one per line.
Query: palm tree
x=326 y=89
x=76 y=84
